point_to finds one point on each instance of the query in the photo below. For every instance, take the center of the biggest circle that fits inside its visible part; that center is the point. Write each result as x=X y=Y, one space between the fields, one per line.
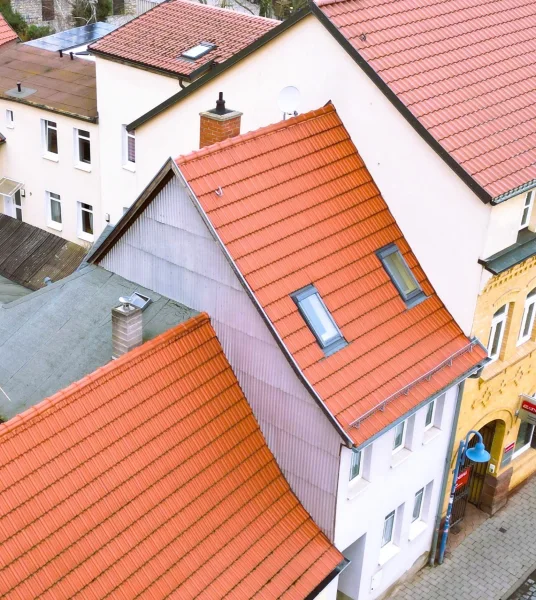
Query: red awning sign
x=463 y=478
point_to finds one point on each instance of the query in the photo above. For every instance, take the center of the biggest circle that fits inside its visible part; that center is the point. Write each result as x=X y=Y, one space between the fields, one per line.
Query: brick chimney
x=127 y=328
x=219 y=124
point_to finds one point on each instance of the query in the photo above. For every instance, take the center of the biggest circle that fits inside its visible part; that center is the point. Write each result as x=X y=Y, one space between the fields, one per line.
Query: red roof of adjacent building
x=160 y=36
x=465 y=69
x=6 y=33
x=299 y=207
x=150 y=477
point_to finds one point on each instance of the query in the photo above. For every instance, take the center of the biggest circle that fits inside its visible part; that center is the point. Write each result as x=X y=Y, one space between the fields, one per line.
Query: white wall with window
x=399 y=498
x=10 y=118
x=53 y=146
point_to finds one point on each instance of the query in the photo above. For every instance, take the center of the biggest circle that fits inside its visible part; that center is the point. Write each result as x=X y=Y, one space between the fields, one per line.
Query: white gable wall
x=169 y=249
x=444 y=222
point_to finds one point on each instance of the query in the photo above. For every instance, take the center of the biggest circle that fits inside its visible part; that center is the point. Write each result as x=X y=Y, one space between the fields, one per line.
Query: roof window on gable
x=318 y=319
x=198 y=51
x=401 y=275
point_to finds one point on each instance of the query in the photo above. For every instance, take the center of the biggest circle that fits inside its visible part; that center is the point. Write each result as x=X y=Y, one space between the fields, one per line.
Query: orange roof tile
x=6 y=33
x=151 y=477
x=159 y=37
x=299 y=207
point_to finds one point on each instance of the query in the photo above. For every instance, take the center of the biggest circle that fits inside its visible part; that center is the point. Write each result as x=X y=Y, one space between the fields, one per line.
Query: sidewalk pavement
x=490 y=562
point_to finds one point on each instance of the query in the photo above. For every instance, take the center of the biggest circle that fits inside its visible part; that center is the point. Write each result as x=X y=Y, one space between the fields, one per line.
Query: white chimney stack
x=127 y=328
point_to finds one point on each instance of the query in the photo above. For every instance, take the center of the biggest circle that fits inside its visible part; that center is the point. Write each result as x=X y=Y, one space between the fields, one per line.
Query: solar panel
x=72 y=38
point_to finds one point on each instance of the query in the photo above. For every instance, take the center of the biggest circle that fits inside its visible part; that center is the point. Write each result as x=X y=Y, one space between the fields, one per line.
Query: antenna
x=289 y=100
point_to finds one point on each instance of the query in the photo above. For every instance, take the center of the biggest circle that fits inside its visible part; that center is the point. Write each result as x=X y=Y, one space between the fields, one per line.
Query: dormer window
x=198 y=51
x=527 y=210
x=401 y=275
x=318 y=319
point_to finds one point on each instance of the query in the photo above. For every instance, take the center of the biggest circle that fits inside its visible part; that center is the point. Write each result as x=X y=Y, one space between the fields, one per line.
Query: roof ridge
x=256 y=133
x=150 y=346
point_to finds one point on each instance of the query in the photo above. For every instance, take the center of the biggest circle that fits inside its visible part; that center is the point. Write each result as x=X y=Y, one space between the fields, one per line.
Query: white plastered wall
x=21 y=159
x=444 y=222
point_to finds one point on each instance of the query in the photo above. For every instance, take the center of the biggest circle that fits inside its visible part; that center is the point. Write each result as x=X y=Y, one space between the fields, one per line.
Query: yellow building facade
x=504 y=321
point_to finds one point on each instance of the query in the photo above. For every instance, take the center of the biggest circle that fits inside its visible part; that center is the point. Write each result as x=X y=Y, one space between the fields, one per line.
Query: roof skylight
x=401 y=275
x=198 y=51
x=319 y=320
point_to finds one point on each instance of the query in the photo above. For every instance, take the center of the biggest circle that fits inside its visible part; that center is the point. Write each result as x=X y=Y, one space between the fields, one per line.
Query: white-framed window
x=50 y=139
x=17 y=205
x=399 y=437
x=85 y=221
x=527 y=210
x=527 y=323
x=496 y=335
x=430 y=414
x=129 y=148
x=10 y=119
x=319 y=319
x=524 y=438
x=356 y=466
x=82 y=141
x=417 y=506
x=388 y=529
x=54 y=210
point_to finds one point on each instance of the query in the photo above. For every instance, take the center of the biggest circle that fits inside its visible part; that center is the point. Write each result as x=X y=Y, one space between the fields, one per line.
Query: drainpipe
x=433 y=549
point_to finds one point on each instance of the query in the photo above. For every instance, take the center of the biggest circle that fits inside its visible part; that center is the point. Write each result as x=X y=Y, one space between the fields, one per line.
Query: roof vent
x=198 y=51
x=20 y=92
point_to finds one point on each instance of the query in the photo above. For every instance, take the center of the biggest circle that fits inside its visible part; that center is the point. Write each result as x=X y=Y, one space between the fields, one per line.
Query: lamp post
x=478 y=454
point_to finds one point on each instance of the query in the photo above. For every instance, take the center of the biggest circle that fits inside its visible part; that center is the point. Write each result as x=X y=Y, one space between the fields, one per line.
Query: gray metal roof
x=58 y=334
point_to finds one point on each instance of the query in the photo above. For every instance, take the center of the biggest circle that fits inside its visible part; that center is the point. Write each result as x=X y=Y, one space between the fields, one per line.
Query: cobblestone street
x=491 y=562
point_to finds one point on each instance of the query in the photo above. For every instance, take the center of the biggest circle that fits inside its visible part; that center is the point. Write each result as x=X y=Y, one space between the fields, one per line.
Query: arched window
x=527 y=323
x=498 y=325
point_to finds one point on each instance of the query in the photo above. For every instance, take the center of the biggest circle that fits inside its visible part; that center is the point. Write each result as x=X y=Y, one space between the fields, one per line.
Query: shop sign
x=508 y=453
x=527 y=412
x=463 y=478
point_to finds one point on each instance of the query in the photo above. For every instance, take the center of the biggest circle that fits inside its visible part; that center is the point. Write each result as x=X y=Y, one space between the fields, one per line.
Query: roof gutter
x=295 y=367
x=399 y=105
x=218 y=69
x=530 y=185
x=327 y=580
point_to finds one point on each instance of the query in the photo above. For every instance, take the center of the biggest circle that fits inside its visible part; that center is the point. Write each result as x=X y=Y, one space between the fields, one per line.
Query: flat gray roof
x=58 y=334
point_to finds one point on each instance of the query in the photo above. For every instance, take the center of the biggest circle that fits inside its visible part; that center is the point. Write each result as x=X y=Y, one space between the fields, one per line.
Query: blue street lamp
x=478 y=454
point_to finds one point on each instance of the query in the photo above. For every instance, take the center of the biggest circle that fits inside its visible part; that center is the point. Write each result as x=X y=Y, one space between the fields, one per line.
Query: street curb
x=518 y=583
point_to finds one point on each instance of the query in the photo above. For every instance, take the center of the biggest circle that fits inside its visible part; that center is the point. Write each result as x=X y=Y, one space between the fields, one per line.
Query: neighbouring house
x=145 y=62
x=439 y=103
x=151 y=478
x=30 y=258
x=349 y=359
x=7 y=34
x=49 y=163
x=60 y=333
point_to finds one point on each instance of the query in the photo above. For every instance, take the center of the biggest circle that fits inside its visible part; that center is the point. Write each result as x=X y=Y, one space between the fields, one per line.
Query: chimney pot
x=219 y=123
x=127 y=329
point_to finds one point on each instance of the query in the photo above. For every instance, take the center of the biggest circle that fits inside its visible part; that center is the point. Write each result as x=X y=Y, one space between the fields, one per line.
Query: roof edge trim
x=477 y=189
x=530 y=185
x=327 y=580
x=290 y=359
x=220 y=68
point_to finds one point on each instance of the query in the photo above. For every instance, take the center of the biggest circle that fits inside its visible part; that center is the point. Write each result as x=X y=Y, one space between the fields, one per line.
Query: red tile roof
x=160 y=36
x=465 y=69
x=6 y=33
x=299 y=207
x=151 y=477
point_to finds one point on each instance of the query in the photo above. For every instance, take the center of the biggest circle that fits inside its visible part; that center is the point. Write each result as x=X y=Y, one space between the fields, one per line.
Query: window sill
x=56 y=226
x=10 y=126
x=430 y=434
x=85 y=236
x=50 y=156
x=83 y=167
x=387 y=553
x=400 y=457
x=355 y=488
x=129 y=167
x=415 y=529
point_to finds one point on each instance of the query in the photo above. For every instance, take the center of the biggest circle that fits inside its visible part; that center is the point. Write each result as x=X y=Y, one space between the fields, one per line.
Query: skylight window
x=401 y=275
x=319 y=320
x=198 y=51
